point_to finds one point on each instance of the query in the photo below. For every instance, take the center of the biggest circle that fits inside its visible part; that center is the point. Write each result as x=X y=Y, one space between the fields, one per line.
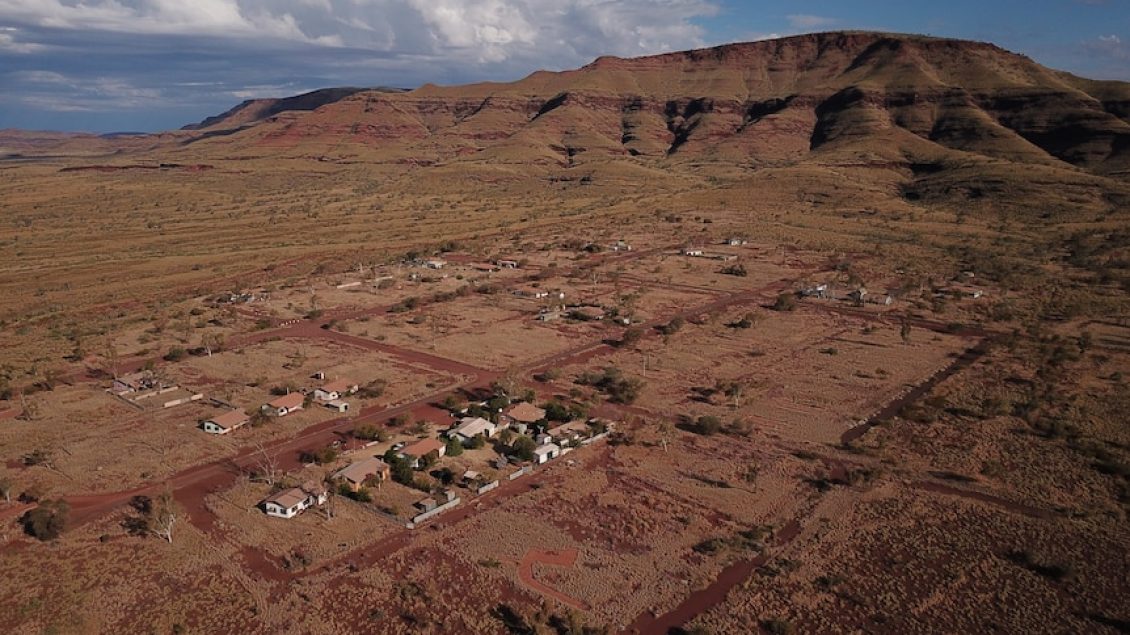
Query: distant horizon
x=147 y=66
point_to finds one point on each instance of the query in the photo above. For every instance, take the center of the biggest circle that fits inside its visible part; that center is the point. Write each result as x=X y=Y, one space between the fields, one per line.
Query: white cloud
x=148 y=56
x=477 y=31
x=54 y=91
x=11 y=42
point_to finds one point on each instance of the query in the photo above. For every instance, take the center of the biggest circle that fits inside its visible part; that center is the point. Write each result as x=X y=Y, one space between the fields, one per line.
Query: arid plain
x=831 y=334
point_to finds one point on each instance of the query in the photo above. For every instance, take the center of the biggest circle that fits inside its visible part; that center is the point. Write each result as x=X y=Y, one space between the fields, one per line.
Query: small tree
x=665 y=432
x=454 y=447
x=111 y=359
x=163 y=515
x=266 y=464
x=6 y=486
x=708 y=425
x=785 y=302
x=631 y=336
x=904 y=331
x=399 y=467
x=212 y=343
x=523 y=447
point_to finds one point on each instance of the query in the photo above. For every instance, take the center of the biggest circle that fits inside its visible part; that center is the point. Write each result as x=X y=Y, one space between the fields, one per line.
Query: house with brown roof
x=355 y=475
x=415 y=452
x=335 y=390
x=225 y=423
x=524 y=412
x=289 y=503
x=285 y=405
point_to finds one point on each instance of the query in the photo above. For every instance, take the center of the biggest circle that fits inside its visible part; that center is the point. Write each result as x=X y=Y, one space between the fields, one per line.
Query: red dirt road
x=704 y=599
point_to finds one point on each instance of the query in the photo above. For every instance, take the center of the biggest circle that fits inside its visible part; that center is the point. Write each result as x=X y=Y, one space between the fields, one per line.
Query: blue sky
x=143 y=65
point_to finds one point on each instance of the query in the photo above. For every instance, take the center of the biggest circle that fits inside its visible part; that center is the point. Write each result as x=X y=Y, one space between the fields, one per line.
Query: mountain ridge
x=768 y=102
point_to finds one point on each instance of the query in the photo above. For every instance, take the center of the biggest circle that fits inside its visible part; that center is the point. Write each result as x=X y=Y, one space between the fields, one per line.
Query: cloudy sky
x=141 y=65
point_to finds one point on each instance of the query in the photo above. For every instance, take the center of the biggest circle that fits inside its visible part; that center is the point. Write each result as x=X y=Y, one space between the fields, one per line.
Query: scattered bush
x=735 y=270
x=612 y=382
x=47 y=521
x=175 y=354
x=785 y=302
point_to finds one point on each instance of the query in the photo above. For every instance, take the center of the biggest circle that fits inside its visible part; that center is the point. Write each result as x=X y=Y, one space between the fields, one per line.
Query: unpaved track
x=566 y=559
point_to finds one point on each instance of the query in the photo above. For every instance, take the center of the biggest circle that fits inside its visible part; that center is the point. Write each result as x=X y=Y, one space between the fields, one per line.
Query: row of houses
x=552 y=444
x=329 y=395
x=697 y=252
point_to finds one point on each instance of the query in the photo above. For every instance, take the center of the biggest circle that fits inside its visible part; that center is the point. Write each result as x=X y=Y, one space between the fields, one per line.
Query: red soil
x=567 y=558
x=704 y=599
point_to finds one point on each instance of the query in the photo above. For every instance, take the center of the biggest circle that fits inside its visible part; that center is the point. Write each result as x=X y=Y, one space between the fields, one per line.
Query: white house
x=285 y=405
x=470 y=427
x=337 y=405
x=734 y=241
x=335 y=390
x=291 y=502
x=225 y=423
x=435 y=264
x=546 y=452
x=693 y=252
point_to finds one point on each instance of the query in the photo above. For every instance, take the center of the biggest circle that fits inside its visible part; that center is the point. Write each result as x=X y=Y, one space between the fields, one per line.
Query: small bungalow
x=471 y=477
x=470 y=427
x=524 y=412
x=337 y=405
x=734 y=241
x=355 y=475
x=225 y=423
x=620 y=245
x=570 y=433
x=508 y=264
x=427 y=505
x=435 y=264
x=291 y=502
x=546 y=452
x=335 y=390
x=549 y=316
x=285 y=405
x=418 y=450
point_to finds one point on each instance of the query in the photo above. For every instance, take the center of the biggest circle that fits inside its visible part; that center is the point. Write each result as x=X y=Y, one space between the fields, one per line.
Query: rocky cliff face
x=823 y=97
